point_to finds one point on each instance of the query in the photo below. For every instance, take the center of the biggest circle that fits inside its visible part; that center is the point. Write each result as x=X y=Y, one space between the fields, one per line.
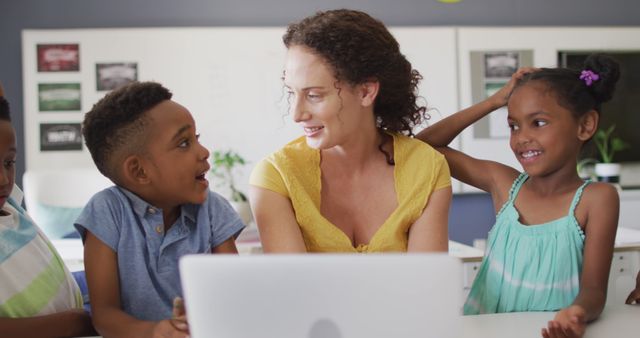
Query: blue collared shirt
x=147 y=257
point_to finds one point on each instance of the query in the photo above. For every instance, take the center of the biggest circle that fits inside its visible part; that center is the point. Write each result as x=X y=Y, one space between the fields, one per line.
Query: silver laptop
x=322 y=296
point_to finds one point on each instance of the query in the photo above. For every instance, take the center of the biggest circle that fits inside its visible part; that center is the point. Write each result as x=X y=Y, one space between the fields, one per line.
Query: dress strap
x=515 y=188
x=576 y=197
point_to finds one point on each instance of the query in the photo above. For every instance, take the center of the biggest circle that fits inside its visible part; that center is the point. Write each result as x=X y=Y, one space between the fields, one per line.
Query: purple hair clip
x=589 y=77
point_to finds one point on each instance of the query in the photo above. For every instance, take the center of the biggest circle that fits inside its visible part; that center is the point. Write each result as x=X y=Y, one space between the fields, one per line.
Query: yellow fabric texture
x=294 y=172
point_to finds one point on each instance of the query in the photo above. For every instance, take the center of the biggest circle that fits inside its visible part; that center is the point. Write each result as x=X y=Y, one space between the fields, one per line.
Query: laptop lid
x=322 y=296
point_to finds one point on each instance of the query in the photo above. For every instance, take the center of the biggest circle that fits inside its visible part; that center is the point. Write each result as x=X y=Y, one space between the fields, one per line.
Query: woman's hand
x=568 y=323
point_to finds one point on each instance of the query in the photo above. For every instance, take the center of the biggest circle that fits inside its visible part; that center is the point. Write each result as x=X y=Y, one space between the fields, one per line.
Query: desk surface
x=615 y=321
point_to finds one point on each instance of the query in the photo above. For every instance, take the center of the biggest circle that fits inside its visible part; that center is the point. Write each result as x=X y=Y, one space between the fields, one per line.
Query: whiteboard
x=229 y=78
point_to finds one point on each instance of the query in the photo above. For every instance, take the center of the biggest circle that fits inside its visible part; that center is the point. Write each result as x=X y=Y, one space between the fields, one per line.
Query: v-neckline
x=363 y=246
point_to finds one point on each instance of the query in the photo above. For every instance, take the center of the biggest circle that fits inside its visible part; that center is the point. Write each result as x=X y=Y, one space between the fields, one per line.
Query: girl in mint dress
x=552 y=244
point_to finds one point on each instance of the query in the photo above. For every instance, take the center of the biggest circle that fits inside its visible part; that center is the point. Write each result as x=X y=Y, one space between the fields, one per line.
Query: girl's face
x=544 y=134
x=8 y=155
x=325 y=108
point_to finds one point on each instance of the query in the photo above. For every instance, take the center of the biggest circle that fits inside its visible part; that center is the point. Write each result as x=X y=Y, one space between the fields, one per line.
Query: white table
x=619 y=321
x=616 y=321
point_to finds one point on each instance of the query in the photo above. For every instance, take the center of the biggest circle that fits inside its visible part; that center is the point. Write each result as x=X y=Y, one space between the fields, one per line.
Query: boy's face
x=176 y=163
x=8 y=157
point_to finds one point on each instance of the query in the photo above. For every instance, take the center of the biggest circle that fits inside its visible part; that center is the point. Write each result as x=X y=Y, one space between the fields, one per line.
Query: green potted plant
x=223 y=166
x=605 y=169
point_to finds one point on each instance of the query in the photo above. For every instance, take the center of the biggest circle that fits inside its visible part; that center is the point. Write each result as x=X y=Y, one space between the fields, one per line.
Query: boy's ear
x=134 y=171
x=369 y=91
x=588 y=125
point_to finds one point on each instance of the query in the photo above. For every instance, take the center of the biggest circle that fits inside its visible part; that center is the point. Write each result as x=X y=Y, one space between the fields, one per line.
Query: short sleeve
x=225 y=222
x=265 y=175
x=100 y=216
x=442 y=173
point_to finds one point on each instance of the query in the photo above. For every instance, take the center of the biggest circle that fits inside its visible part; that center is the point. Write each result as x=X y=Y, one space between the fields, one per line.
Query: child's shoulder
x=599 y=195
x=108 y=200
x=214 y=199
x=113 y=193
x=598 y=208
x=505 y=184
x=216 y=203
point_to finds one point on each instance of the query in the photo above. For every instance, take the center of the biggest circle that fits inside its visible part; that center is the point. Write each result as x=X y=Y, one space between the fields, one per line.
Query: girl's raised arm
x=485 y=175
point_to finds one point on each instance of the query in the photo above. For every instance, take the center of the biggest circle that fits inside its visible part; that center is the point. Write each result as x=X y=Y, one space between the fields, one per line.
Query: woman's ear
x=133 y=170
x=369 y=92
x=588 y=125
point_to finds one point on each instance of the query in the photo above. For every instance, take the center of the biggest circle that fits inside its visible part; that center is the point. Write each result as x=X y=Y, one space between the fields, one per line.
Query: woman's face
x=328 y=110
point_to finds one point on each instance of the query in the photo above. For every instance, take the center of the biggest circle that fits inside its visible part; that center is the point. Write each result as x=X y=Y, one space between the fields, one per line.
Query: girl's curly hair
x=572 y=91
x=359 y=48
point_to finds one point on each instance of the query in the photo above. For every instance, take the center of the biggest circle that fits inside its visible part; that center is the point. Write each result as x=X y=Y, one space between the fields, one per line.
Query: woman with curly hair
x=356 y=181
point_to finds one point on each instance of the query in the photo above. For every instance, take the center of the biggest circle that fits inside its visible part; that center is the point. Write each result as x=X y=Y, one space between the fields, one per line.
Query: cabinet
x=630 y=209
x=622 y=278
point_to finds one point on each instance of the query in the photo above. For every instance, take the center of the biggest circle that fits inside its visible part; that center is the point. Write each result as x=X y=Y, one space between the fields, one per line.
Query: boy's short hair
x=5 y=113
x=116 y=126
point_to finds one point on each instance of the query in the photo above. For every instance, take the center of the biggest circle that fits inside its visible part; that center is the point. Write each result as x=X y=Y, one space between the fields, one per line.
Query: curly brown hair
x=359 y=48
x=116 y=126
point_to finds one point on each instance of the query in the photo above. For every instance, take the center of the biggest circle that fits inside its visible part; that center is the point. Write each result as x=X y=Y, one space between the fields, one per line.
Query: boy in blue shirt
x=160 y=209
x=38 y=295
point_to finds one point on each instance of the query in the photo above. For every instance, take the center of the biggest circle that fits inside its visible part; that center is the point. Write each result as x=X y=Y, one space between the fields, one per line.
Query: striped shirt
x=34 y=280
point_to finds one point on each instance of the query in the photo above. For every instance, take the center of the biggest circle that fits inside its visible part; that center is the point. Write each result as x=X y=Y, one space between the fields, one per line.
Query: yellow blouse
x=294 y=172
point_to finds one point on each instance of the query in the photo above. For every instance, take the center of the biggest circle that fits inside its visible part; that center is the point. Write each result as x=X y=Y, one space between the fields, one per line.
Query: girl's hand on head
x=501 y=97
x=568 y=323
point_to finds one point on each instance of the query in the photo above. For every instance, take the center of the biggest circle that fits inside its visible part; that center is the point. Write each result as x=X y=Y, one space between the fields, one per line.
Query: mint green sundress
x=528 y=267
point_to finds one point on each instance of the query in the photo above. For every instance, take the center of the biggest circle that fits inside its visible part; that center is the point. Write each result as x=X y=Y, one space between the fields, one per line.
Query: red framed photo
x=58 y=57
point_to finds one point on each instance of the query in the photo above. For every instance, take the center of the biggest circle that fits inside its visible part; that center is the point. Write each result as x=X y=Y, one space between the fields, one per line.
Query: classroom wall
x=45 y=14
x=18 y=15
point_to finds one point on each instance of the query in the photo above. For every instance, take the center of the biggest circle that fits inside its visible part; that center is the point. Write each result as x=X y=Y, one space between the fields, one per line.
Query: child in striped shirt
x=38 y=295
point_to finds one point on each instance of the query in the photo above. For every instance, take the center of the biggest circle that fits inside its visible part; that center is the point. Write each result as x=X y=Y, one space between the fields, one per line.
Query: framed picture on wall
x=59 y=96
x=60 y=136
x=113 y=75
x=491 y=88
x=490 y=71
x=500 y=64
x=58 y=57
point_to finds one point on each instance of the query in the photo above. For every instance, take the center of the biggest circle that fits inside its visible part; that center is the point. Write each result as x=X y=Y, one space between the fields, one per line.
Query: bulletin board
x=228 y=78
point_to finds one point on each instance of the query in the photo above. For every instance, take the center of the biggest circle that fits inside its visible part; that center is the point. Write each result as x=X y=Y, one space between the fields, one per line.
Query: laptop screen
x=322 y=296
